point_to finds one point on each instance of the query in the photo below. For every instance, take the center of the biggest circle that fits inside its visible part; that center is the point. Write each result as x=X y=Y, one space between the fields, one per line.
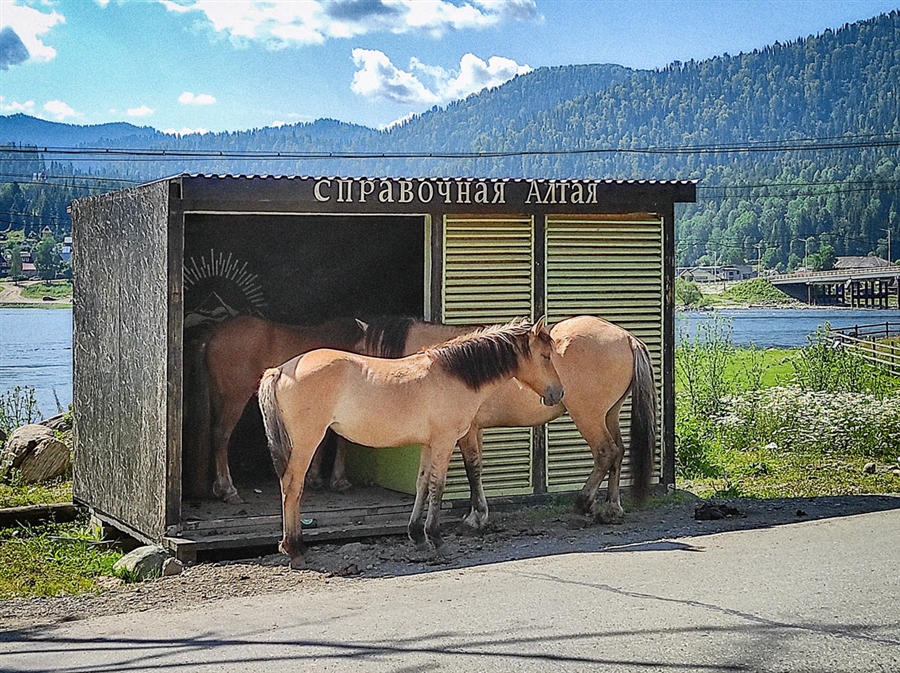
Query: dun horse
x=598 y=363
x=236 y=354
x=429 y=398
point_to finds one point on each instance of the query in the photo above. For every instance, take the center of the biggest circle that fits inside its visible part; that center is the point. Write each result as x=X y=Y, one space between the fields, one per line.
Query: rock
x=172 y=566
x=36 y=452
x=710 y=511
x=147 y=562
x=351 y=549
x=61 y=422
x=870 y=468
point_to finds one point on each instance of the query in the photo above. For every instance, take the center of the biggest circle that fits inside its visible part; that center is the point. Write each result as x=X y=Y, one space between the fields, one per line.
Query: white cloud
x=475 y=75
x=29 y=25
x=189 y=98
x=282 y=23
x=378 y=77
x=185 y=131
x=14 y=106
x=59 y=110
x=142 y=111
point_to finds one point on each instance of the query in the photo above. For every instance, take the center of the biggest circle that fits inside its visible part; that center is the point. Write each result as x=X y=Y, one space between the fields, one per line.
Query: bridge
x=857 y=288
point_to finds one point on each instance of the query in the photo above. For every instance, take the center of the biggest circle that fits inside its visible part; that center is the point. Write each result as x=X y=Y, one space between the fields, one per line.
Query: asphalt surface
x=813 y=596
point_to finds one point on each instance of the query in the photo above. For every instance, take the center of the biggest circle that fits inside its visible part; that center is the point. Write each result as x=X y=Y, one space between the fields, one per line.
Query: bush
x=792 y=419
x=18 y=407
x=687 y=293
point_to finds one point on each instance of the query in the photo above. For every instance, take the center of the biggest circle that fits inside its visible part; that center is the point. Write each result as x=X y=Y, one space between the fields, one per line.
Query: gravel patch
x=512 y=535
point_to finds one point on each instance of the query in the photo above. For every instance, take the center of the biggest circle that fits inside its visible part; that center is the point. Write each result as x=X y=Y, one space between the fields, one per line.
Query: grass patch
x=18 y=495
x=767 y=473
x=58 y=289
x=757 y=291
x=782 y=423
x=52 y=559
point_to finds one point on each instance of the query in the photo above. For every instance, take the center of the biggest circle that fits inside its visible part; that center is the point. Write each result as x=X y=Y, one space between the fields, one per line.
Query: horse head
x=536 y=370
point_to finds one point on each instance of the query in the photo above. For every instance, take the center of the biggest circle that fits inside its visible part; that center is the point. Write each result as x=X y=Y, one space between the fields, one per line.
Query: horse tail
x=197 y=448
x=643 y=421
x=276 y=433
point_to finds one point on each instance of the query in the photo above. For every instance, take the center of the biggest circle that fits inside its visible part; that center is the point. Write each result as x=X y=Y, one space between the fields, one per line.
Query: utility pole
x=758 y=247
x=888 y=231
x=805 y=253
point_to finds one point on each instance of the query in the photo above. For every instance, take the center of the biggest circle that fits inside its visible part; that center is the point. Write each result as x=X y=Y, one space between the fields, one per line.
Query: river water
x=36 y=344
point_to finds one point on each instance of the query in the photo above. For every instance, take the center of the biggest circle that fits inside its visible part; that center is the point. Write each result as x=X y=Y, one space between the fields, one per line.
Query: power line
x=799 y=144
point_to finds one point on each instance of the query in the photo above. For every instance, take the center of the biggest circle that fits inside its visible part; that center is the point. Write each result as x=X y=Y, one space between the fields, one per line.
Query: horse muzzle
x=552 y=396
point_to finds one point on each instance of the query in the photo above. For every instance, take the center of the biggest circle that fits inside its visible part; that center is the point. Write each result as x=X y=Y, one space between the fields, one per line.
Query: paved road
x=814 y=596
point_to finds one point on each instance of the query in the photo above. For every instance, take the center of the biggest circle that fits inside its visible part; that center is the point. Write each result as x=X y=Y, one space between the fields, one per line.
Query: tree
x=46 y=258
x=15 y=262
x=687 y=293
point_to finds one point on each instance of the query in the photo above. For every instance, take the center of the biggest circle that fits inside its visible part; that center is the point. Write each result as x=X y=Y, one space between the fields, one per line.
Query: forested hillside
x=829 y=102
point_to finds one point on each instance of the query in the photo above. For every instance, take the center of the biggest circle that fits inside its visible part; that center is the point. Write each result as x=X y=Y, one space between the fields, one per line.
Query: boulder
x=36 y=452
x=61 y=422
x=148 y=562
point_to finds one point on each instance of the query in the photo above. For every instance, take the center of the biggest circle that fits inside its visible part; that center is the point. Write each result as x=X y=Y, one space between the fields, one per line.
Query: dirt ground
x=511 y=535
x=11 y=294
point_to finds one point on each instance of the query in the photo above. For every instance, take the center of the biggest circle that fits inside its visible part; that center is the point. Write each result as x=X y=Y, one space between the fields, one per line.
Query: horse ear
x=538 y=326
x=364 y=326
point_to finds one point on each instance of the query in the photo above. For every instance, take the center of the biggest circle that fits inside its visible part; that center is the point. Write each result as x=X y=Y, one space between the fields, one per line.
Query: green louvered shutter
x=488 y=266
x=611 y=267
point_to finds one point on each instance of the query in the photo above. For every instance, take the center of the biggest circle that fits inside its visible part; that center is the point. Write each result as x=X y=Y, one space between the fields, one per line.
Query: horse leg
x=611 y=511
x=603 y=449
x=470 y=445
x=339 y=481
x=440 y=462
x=416 y=527
x=314 y=480
x=292 y=483
x=226 y=415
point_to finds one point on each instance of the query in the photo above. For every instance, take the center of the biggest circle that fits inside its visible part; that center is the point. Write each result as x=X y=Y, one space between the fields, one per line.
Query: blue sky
x=229 y=65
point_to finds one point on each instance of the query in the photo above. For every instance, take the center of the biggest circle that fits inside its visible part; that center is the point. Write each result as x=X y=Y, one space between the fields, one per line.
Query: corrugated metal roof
x=608 y=181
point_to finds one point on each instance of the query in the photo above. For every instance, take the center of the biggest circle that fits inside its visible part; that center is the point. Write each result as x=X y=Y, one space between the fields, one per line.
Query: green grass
x=18 y=495
x=58 y=289
x=768 y=473
x=52 y=559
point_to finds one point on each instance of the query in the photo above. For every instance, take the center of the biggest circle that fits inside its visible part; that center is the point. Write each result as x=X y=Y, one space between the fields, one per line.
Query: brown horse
x=599 y=364
x=236 y=354
x=430 y=398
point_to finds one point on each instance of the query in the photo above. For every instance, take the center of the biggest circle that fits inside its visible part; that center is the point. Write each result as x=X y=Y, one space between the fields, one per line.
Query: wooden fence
x=878 y=343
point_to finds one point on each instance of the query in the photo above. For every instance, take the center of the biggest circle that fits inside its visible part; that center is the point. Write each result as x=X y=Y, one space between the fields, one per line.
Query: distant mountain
x=607 y=121
x=21 y=129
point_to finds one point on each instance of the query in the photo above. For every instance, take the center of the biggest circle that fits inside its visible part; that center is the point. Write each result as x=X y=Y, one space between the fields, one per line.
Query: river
x=36 y=344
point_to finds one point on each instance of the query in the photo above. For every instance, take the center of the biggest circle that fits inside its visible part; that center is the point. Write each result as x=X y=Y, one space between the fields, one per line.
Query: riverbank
x=11 y=297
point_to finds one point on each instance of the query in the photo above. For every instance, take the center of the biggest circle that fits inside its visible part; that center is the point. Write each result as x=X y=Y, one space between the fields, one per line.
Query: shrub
x=18 y=407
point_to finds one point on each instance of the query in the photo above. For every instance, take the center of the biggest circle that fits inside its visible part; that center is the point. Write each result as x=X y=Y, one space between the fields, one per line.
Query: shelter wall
x=121 y=372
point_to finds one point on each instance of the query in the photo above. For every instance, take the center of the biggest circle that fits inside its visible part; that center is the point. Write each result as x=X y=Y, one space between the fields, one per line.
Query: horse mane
x=487 y=354
x=386 y=335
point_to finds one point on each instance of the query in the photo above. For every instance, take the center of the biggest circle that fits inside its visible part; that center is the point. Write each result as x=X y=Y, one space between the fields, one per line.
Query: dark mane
x=386 y=335
x=485 y=355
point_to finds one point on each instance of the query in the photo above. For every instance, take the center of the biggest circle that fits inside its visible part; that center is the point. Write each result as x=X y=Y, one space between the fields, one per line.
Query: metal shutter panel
x=488 y=266
x=611 y=267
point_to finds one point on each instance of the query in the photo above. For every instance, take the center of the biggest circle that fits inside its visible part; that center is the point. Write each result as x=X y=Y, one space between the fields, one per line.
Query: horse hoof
x=233 y=499
x=340 y=485
x=475 y=521
x=443 y=551
x=609 y=513
x=314 y=483
x=582 y=505
x=297 y=563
